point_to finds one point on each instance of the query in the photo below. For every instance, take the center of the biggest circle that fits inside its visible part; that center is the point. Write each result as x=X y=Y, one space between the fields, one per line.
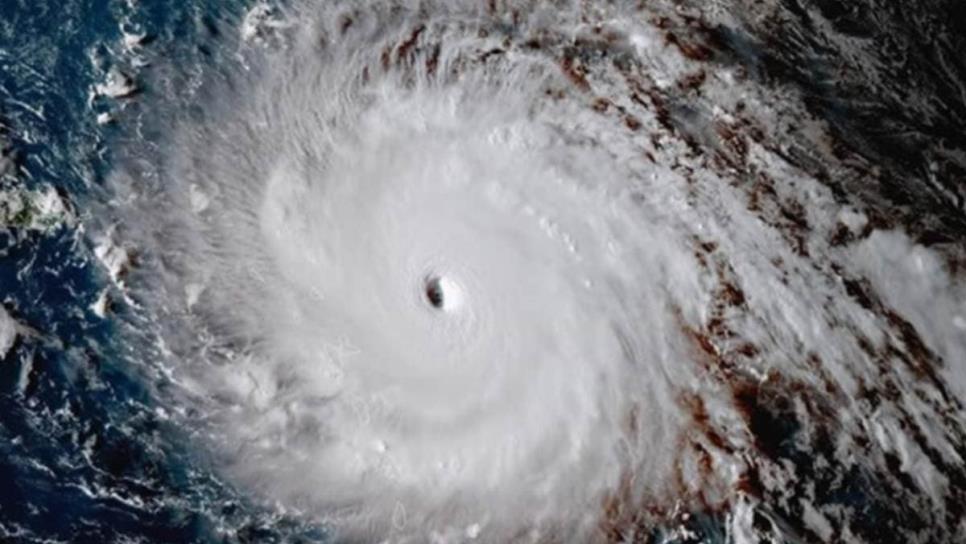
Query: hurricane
x=566 y=271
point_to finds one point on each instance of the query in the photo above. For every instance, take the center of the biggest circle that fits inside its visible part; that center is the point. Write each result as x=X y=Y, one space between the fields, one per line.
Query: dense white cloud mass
x=510 y=273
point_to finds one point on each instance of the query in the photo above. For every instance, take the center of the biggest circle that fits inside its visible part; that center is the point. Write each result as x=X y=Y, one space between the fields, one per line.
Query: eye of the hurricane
x=442 y=293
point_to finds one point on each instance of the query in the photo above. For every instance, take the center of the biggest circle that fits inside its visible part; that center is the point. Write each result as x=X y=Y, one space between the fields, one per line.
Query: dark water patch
x=888 y=80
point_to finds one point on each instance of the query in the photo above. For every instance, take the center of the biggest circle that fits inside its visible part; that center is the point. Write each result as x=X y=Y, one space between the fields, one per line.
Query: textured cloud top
x=504 y=272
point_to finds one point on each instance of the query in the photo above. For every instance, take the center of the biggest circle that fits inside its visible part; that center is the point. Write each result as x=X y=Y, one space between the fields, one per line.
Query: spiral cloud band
x=502 y=272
